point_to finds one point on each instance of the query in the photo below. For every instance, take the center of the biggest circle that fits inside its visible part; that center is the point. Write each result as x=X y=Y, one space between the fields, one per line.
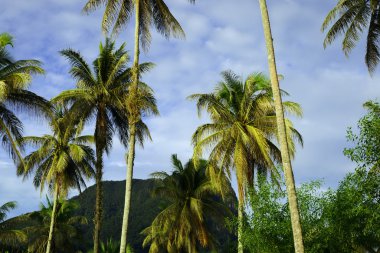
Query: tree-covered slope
x=144 y=209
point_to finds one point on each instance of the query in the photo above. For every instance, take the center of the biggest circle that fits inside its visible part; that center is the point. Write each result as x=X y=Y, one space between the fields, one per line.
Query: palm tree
x=242 y=134
x=101 y=94
x=65 y=230
x=6 y=235
x=117 y=15
x=109 y=247
x=15 y=77
x=62 y=160
x=352 y=17
x=282 y=131
x=181 y=226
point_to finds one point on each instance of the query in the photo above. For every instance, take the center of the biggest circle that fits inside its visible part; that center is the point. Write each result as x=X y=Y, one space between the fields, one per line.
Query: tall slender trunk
x=134 y=115
x=128 y=188
x=52 y=221
x=99 y=197
x=240 y=227
x=240 y=219
x=286 y=162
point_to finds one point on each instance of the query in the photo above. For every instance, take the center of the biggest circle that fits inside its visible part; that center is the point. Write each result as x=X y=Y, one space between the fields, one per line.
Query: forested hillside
x=145 y=207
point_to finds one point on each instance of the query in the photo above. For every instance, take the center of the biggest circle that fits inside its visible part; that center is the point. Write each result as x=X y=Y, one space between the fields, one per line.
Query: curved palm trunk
x=133 y=117
x=286 y=163
x=52 y=222
x=98 y=198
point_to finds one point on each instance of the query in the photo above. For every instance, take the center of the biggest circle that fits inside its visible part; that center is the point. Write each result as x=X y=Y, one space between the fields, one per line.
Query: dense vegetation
x=142 y=215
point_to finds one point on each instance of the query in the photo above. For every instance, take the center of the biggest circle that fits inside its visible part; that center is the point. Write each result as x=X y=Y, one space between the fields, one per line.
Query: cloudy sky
x=220 y=35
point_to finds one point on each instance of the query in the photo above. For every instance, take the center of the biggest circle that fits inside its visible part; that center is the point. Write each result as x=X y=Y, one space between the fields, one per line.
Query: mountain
x=144 y=208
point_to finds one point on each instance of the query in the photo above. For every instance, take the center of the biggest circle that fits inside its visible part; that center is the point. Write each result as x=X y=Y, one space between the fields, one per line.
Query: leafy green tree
x=345 y=221
x=15 y=77
x=116 y=15
x=65 y=229
x=366 y=152
x=268 y=227
x=357 y=202
x=62 y=160
x=286 y=154
x=101 y=94
x=243 y=131
x=350 y=18
x=9 y=236
x=355 y=215
x=182 y=226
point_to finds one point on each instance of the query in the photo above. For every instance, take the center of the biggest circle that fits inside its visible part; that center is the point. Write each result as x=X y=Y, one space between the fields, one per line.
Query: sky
x=220 y=35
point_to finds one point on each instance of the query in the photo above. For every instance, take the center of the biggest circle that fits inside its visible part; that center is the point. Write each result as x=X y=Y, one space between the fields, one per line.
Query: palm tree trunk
x=286 y=163
x=128 y=189
x=98 y=198
x=240 y=227
x=52 y=222
x=134 y=114
x=240 y=219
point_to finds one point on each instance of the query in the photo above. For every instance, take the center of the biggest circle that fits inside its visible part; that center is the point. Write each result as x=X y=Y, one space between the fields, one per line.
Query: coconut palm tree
x=9 y=236
x=15 y=77
x=66 y=231
x=147 y=13
x=101 y=93
x=62 y=160
x=282 y=131
x=349 y=18
x=242 y=134
x=181 y=226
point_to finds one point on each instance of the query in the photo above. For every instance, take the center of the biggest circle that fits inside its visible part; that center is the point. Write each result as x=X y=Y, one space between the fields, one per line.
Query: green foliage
x=356 y=212
x=243 y=131
x=62 y=159
x=110 y=246
x=182 y=224
x=366 y=152
x=342 y=221
x=9 y=236
x=141 y=216
x=66 y=233
x=6 y=39
x=353 y=17
x=268 y=226
x=152 y=13
x=15 y=78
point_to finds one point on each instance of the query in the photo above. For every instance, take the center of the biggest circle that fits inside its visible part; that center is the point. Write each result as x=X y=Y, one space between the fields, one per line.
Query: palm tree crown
x=62 y=158
x=151 y=13
x=181 y=226
x=243 y=132
x=352 y=18
x=15 y=77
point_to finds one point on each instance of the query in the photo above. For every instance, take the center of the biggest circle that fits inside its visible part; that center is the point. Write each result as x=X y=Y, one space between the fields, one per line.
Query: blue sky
x=220 y=35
